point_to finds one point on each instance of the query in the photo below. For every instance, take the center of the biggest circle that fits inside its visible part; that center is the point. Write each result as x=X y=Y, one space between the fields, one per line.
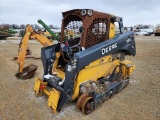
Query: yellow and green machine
x=90 y=67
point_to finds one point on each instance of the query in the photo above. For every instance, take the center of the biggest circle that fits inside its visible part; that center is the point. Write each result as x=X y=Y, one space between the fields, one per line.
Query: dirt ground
x=139 y=101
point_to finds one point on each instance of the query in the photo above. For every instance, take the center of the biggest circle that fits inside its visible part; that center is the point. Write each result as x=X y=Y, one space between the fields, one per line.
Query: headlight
x=89 y=12
x=83 y=12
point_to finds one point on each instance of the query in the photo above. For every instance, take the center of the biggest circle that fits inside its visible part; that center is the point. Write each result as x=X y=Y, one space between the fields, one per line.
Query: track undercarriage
x=88 y=101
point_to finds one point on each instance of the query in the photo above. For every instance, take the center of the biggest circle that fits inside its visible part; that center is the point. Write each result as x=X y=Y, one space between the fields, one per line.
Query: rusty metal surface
x=97 y=33
x=98 y=20
x=83 y=103
x=28 y=55
x=89 y=86
x=86 y=105
x=3 y=33
x=28 y=72
x=80 y=101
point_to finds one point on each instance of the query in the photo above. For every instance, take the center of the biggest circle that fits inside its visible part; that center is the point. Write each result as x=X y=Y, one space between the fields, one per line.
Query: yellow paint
x=55 y=70
x=95 y=70
x=22 y=49
x=43 y=40
x=53 y=94
x=53 y=99
x=112 y=31
x=102 y=67
x=59 y=73
x=46 y=92
x=47 y=34
x=29 y=33
x=37 y=85
x=127 y=68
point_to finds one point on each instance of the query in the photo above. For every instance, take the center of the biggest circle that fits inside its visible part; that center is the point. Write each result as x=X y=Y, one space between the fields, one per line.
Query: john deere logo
x=109 y=48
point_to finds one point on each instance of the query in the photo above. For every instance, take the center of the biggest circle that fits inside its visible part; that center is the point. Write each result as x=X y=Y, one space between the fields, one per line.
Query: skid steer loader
x=88 y=65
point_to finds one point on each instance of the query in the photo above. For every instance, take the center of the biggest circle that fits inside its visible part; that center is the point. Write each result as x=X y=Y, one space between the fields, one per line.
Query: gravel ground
x=140 y=100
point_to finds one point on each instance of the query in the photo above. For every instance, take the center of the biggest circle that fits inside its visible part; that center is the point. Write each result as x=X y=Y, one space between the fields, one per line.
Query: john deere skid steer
x=88 y=64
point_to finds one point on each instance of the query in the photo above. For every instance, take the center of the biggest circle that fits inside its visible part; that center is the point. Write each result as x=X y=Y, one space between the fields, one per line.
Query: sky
x=133 y=12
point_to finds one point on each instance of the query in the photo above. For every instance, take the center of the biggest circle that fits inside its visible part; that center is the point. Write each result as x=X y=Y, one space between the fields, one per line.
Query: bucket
x=28 y=72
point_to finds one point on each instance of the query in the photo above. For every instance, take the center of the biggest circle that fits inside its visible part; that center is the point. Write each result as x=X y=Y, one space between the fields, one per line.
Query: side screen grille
x=97 y=32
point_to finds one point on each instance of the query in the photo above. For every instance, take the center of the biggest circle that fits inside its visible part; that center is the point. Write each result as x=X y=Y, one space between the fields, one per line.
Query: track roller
x=84 y=103
x=80 y=100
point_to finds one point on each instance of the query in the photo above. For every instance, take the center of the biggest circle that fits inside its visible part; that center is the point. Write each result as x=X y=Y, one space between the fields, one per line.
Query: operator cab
x=96 y=26
x=82 y=29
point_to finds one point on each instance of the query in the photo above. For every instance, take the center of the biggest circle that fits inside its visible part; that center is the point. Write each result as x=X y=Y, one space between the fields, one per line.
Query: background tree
x=22 y=26
x=36 y=26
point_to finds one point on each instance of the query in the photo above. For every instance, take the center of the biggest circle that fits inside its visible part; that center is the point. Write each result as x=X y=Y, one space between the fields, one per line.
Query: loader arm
x=29 y=33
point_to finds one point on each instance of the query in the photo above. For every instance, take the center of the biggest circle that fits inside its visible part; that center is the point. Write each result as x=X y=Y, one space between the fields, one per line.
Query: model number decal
x=109 y=48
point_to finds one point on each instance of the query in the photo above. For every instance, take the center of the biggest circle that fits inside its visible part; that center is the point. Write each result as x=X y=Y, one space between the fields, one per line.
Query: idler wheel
x=81 y=100
x=86 y=105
